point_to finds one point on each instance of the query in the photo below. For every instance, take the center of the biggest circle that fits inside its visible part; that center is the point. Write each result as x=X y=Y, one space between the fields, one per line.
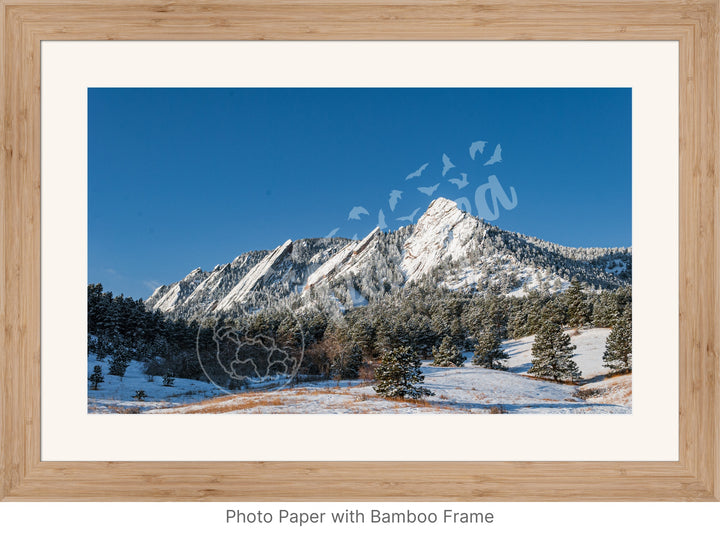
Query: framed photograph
x=363 y=252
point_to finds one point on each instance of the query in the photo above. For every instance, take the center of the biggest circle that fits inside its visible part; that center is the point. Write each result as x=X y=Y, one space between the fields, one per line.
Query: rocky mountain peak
x=443 y=232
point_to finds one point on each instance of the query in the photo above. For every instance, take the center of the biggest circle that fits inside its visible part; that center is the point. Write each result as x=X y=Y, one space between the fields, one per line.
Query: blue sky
x=186 y=178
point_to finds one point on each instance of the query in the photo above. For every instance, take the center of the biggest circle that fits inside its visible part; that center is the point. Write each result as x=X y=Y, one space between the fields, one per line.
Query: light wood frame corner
x=24 y=24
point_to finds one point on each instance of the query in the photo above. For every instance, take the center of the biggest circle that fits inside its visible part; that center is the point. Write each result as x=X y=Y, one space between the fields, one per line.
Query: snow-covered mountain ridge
x=446 y=247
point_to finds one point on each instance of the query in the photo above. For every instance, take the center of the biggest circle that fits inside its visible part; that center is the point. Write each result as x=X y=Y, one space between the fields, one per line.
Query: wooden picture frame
x=694 y=24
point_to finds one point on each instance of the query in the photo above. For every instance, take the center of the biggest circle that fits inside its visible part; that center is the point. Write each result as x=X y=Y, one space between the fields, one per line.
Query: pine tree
x=605 y=310
x=552 y=351
x=422 y=336
x=168 y=379
x=399 y=375
x=497 y=318
x=96 y=377
x=447 y=354
x=446 y=319
x=555 y=311
x=140 y=395
x=618 y=348
x=361 y=330
x=102 y=349
x=489 y=351
x=347 y=363
x=578 y=313
x=119 y=364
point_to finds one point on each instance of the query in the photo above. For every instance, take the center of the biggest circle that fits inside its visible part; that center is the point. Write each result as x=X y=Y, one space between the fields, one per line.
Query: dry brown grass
x=251 y=400
x=318 y=392
x=240 y=404
x=610 y=375
x=122 y=410
x=585 y=394
x=413 y=403
x=286 y=398
x=416 y=403
x=559 y=382
x=615 y=389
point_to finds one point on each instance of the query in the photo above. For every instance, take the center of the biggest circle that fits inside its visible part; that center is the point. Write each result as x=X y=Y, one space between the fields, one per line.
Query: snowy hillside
x=115 y=395
x=467 y=389
x=446 y=247
x=590 y=348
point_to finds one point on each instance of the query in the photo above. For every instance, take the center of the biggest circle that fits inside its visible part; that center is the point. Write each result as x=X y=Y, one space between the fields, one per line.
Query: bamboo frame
x=694 y=24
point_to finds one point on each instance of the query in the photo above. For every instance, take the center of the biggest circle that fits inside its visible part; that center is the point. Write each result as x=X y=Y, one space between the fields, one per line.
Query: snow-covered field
x=590 y=348
x=468 y=389
x=115 y=395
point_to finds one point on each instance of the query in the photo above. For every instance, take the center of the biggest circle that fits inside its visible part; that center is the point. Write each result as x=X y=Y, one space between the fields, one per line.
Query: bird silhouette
x=496 y=157
x=477 y=147
x=356 y=211
x=461 y=183
x=409 y=218
x=417 y=172
x=332 y=233
x=381 y=220
x=394 y=197
x=429 y=190
x=447 y=164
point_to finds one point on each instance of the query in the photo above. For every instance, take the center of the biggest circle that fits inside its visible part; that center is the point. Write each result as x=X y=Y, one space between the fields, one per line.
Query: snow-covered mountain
x=251 y=277
x=445 y=247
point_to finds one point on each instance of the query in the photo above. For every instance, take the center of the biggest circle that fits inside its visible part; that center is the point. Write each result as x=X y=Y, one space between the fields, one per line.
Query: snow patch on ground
x=356 y=297
x=115 y=395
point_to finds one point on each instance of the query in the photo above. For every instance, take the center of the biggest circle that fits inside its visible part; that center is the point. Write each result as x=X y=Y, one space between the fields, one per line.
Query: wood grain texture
x=694 y=24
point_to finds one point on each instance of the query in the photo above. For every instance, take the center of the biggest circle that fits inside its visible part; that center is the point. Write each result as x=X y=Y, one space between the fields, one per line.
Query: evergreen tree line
x=426 y=317
x=432 y=322
x=121 y=329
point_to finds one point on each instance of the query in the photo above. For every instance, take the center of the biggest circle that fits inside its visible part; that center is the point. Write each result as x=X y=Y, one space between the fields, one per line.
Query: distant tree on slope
x=96 y=377
x=578 y=311
x=605 y=310
x=447 y=354
x=489 y=351
x=618 y=348
x=553 y=354
x=119 y=363
x=168 y=379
